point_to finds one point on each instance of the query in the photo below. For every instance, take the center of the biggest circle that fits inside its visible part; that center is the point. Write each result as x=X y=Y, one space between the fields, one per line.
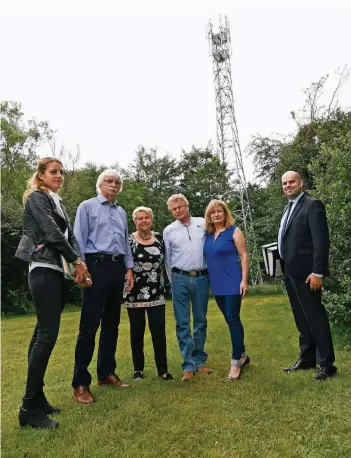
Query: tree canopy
x=320 y=150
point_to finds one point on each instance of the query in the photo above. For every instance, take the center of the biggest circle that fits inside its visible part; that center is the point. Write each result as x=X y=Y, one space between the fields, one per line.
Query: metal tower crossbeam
x=227 y=133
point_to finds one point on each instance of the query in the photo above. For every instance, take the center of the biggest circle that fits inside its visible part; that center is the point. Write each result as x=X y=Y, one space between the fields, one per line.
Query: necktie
x=284 y=226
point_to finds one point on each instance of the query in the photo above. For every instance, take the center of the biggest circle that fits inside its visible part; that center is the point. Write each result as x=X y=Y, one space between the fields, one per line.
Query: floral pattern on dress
x=149 y=289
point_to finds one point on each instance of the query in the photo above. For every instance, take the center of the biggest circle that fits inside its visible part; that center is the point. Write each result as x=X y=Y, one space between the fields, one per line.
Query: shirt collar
x=103 y=199
x=185 y=225
x=54 y=195
x=297 y=198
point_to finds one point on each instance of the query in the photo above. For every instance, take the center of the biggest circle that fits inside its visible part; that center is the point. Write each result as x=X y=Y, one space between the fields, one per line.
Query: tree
x=321 y=152
x=203 y=177
x=19 y=140
x=150 y=180
x=332 y=172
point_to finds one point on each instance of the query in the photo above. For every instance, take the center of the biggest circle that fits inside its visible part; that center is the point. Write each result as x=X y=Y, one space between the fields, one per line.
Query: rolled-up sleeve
x=81 y=228
x=128 y=257
x=167 y=253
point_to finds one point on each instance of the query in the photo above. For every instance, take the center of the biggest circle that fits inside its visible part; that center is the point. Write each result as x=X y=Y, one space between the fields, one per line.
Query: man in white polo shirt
x=186 y=268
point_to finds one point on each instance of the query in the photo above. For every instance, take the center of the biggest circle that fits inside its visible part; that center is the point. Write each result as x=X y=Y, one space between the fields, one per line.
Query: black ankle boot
x=36 y=419
x=46 y=407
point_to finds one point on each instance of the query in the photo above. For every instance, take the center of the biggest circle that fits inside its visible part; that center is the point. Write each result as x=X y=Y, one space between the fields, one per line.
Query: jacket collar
x=296 y=209
x=63 y=216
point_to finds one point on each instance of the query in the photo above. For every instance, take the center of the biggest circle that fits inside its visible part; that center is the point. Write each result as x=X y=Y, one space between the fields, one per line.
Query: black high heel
x=46 y=407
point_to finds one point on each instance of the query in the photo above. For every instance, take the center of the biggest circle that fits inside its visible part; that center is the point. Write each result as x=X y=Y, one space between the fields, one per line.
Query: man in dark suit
x=303 y=243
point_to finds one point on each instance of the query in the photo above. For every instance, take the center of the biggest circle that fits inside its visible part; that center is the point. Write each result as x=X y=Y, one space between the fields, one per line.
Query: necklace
x=148 y=237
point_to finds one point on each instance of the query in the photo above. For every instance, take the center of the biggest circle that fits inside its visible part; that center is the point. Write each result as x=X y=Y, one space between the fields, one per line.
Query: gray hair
x=142 y=209
x=105 y=173
x=178 y=197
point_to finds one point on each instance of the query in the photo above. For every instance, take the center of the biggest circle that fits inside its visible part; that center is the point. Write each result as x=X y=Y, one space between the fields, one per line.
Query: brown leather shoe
x=83 y=395
x=113 y=380
x=204 y=370
x=187 y=376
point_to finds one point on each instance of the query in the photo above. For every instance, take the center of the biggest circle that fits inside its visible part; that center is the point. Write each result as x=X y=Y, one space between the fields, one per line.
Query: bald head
x=292 y=184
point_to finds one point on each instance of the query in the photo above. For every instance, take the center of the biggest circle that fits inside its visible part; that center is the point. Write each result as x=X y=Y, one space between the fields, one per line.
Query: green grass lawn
x=266 y=413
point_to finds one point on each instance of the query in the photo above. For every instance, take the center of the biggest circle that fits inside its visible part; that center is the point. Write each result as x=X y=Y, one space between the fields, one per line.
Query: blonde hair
x=228 y=218
x=142 y=209
x=177 y=197
x=35 y=182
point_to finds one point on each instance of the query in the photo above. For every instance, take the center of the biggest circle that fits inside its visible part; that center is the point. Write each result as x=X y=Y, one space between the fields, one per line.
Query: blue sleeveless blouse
x=223 y=264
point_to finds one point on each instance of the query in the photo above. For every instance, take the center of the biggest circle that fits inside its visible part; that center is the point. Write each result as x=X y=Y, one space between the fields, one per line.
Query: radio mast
x=227 y=134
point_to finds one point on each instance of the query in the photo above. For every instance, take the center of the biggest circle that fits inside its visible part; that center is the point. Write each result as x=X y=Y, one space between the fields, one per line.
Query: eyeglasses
x=111 y=181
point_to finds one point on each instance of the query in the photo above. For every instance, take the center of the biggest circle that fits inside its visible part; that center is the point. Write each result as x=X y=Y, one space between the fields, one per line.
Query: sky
x=112 y=75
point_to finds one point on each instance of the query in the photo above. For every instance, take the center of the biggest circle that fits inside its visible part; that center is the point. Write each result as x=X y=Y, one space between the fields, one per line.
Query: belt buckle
x=115 y=257
x=193 y=273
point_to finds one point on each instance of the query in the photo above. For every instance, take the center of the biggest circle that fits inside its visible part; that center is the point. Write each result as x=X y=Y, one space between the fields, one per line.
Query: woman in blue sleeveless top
x=229 y=281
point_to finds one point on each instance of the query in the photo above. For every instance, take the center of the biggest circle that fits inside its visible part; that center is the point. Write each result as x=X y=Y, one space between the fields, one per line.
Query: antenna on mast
x=227 y=133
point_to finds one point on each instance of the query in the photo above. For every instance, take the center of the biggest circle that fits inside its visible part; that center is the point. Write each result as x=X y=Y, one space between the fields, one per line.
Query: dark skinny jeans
x=230 y=307
x=47 y=289
x=157 y=324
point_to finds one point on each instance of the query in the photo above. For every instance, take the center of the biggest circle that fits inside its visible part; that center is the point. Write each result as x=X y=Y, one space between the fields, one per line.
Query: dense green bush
x=332 y=174
x=320 y=151
x=338 y=306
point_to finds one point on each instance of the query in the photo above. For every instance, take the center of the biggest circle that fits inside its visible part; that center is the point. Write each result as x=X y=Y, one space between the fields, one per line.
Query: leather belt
x=106 y=257
x=190 y=273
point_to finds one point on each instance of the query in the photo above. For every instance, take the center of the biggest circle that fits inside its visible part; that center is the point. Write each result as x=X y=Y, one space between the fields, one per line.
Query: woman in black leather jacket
x=47 y=237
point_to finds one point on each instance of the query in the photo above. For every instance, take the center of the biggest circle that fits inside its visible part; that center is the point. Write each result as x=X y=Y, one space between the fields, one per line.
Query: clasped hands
x=82 y=276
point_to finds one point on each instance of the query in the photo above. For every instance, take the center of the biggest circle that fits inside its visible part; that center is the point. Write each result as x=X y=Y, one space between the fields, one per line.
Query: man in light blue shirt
x=102 y=233
x=186 y=268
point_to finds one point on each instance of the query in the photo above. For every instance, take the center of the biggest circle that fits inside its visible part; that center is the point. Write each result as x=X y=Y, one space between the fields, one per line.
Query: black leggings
x=47 y=288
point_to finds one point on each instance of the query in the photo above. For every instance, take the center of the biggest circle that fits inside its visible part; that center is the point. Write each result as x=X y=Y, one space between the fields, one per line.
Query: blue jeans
x=184 y=289
x=230 y=307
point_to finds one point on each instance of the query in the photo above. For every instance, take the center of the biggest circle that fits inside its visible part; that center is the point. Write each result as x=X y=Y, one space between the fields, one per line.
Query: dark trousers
x=311 y=320
x=157 y=326
x=230 y=307
x=101 y=305
x=47 y=288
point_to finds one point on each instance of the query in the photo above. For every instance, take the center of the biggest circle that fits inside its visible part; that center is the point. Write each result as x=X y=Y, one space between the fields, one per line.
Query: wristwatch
x=77 y=262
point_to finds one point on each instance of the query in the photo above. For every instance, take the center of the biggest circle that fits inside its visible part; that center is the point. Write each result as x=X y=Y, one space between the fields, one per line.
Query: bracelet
x=77 y=262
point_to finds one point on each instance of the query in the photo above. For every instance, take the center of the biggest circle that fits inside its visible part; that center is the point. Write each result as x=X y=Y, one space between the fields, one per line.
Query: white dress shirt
x=294 y=202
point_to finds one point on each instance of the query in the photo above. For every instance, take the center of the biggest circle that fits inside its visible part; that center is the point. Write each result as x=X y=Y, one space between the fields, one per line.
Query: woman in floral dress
x=148 y=294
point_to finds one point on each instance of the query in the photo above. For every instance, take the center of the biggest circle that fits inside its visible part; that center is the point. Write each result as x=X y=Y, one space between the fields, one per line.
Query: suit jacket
x=306 y=239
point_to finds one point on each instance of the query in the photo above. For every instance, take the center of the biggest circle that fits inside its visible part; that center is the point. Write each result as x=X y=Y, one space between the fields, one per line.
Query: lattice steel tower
x=227 y=134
